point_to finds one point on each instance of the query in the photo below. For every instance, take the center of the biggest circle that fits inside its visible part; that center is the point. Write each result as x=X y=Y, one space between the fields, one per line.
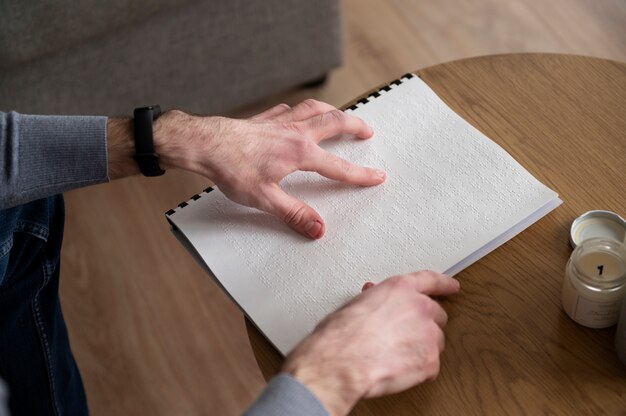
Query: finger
x=367 y=285
x=440 y=316
x=333 y=123
x=295 y=213
x=434 y=284
x=441 y=341
x=305 y=110
x=272 y=112
x=334 y=167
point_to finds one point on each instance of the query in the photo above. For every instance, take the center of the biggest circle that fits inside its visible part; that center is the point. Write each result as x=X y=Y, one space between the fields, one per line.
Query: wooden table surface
x=510 y=349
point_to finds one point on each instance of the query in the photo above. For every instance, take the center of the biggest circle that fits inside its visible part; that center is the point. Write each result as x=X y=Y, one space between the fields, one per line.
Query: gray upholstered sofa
x=94 y=57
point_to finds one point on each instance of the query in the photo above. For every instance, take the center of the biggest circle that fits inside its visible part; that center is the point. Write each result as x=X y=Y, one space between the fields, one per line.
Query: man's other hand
x=385 y=340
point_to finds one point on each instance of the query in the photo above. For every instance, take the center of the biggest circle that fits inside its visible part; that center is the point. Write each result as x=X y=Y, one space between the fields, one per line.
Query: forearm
x=45 y=155
x=336 y=383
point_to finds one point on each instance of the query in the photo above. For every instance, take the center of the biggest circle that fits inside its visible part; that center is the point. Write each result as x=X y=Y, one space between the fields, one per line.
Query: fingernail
x=367 y=286
x=381 y=174
x=313 y=228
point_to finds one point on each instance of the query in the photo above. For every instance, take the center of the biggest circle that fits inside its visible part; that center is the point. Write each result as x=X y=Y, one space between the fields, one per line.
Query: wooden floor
x=151 y=333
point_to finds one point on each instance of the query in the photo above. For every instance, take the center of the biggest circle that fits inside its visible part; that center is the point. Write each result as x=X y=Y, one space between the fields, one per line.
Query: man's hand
x=247 y=159
x=385 y=340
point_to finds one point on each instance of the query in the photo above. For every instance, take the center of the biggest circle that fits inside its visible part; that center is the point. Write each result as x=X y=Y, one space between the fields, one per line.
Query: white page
x=450 y=193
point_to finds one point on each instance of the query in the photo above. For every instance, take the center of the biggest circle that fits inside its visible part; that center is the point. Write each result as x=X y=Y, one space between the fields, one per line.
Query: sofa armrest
x=203 y=56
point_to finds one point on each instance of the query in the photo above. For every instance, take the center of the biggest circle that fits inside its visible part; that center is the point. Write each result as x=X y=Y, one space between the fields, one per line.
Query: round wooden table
x=510 y=349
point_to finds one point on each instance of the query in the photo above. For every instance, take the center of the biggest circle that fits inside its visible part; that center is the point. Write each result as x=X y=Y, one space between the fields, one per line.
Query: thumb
x=295 y=213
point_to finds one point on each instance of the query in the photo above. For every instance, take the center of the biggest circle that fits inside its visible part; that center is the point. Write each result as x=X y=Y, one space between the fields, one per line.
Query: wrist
x=120 y=148
x=183 y=141
x=337 y=388
x=171 y=134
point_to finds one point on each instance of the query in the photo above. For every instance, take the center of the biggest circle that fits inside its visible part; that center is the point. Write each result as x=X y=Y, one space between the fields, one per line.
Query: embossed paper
x=451 y=196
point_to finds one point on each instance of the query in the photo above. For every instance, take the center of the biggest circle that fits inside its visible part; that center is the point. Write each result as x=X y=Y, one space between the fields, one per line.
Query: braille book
x=451 y=196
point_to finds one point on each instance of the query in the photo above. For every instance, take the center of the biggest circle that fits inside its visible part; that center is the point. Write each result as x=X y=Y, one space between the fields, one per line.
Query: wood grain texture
x=510 y=348
x=153 y=335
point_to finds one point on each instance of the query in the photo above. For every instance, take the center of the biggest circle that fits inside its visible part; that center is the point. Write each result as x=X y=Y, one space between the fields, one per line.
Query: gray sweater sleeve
x=46 y=155
x=286 y=396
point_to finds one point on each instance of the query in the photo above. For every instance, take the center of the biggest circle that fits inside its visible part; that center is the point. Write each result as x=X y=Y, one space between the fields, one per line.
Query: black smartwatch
x=146 y=157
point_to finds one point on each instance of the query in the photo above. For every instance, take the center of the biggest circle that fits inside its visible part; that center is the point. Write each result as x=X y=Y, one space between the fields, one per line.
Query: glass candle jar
x=595 y=282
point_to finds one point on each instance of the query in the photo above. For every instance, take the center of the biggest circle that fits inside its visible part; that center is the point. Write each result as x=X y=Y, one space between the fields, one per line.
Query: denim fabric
x=35 y=357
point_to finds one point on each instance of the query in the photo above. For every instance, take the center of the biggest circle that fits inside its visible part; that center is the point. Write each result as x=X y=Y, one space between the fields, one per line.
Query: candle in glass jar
x=595 y=283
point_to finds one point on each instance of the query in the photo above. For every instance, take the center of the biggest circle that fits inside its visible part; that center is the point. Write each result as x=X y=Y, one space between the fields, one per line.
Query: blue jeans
x=36 y=361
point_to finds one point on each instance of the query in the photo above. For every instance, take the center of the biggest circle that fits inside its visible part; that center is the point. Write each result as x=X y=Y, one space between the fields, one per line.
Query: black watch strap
x=146 y=157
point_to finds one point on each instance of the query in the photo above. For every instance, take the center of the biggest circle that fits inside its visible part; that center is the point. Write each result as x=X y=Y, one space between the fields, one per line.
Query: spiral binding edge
x=376 y=94
x=183 y=204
